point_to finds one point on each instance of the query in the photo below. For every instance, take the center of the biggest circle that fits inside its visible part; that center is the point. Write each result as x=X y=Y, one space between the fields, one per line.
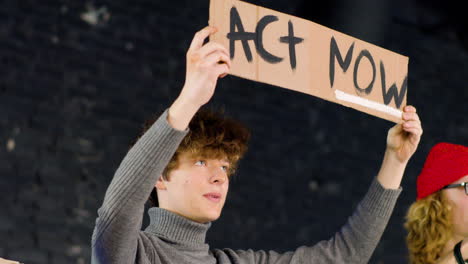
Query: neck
x=200 y=221
x=451 y=243
x=175 y=227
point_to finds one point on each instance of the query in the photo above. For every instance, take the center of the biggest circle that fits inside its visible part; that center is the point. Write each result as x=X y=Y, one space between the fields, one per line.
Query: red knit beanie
x=445 y=164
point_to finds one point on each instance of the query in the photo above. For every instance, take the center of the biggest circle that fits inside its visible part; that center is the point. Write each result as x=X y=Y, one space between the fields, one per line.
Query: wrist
x=181 y=112
x=392 y=157
x=391 y=171
x=187 y=102
x=192 y=95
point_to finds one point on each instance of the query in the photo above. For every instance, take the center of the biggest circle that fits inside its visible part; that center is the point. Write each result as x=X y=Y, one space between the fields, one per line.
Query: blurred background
x=79 y=78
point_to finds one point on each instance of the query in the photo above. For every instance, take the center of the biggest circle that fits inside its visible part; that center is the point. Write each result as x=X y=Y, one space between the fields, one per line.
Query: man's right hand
x=205 y=64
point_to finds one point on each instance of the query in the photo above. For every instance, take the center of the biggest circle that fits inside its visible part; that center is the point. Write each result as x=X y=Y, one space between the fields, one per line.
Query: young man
x=192 y=184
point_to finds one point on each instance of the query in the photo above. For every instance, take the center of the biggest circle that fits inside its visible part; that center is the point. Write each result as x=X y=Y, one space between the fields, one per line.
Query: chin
x=210 y=217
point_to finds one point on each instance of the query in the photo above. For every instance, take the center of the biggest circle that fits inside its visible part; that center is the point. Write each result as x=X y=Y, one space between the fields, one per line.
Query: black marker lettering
x=259 y=39
x=237 y=32
x=241 y=35
x=292 y=41
x=364 y=53
x=392 y=92
x=335 y=53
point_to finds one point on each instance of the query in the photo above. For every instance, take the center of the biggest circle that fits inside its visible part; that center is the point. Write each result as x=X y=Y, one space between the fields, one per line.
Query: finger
x=217 y=57
x=411 y=116
x=6 y=261
x=409 y=108
x=222 y=70
x=411 y=126
x=413 y=123
x=394 y=130
x=205 y=51
x=414 y=132
x=200 y=36
x=210 y=48
x=417 y=130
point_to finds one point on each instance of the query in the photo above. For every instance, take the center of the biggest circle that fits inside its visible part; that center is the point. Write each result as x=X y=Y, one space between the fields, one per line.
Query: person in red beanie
x=437 y=222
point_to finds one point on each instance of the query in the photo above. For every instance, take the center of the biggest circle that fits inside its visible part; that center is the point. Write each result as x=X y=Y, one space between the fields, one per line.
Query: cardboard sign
x=297 y=54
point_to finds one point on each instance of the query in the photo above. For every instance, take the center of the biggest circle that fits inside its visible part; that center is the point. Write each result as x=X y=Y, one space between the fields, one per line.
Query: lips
x=214 y=197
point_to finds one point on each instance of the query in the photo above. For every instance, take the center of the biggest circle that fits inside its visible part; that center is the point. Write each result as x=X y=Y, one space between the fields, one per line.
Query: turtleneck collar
x=175 y=227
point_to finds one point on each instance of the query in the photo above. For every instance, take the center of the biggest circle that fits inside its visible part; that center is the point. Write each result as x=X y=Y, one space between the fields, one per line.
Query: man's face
x=196 y=189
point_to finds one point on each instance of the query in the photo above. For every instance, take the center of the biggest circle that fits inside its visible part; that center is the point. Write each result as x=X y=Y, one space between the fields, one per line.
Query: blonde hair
x=429 y=226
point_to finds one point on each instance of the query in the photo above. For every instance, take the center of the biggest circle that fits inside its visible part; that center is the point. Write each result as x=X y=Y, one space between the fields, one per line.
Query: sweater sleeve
x=353 y=243
x=120 y=217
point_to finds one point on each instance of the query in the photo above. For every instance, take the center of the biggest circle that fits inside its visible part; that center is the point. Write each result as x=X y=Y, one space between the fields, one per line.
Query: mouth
x=214 y=197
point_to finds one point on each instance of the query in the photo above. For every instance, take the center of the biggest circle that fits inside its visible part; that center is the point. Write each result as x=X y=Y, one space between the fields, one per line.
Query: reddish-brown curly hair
x=211 y=135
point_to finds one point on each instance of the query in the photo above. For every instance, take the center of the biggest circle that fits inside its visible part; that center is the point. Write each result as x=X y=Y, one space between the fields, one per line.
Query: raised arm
x=357 y=239
x=402 y=142
x=205 y=63
x=115 y=236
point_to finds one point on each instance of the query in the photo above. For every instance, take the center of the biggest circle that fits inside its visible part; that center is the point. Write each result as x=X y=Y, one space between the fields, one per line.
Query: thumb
x=393 y=132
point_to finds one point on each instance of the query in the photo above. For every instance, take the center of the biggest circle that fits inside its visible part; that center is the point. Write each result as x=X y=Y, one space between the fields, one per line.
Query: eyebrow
x=206 y=158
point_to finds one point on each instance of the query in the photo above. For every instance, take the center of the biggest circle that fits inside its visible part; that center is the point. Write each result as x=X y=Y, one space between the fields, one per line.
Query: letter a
x=233 y=35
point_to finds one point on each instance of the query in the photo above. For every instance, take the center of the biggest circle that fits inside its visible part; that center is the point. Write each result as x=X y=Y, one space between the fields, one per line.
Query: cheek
x=226 y=190
x=186 y=182
x=464 y=211
x=188 y=187
x=191 y=185
x=460 y=215
x=181 y=186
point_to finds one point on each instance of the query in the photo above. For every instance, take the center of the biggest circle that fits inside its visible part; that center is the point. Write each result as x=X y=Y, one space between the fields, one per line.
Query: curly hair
x=429 y=226
x=211 y=135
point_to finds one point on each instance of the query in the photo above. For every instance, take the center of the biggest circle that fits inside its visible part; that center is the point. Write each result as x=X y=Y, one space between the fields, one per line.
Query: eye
x=225 y=168
x=200 y=163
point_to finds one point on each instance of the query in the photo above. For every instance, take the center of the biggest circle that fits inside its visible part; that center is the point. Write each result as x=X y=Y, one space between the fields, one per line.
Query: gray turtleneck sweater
x=169 y=238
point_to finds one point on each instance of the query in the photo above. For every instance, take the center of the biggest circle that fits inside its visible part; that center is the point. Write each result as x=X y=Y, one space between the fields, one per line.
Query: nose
x=218 y=176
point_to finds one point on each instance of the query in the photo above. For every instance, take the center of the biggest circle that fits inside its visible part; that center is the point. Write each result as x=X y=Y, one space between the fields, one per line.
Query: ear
x=160 y=184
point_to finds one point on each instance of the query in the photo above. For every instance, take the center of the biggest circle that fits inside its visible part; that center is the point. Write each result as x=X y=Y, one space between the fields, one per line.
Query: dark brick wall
x=74 y=93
